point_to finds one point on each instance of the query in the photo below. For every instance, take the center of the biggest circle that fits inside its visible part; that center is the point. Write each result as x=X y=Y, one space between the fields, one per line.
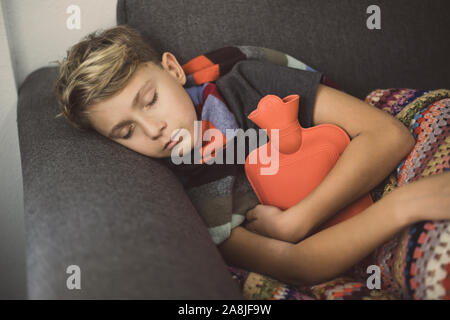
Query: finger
x=250 y=215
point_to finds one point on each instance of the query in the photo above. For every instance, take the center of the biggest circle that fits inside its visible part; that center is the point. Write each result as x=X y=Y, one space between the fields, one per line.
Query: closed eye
x=130 y=132
x=155 y=98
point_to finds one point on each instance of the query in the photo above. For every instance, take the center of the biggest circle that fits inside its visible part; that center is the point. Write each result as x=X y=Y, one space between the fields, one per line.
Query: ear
x=171 y=65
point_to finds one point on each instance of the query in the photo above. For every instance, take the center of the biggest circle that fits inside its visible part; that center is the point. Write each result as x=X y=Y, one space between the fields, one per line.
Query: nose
x=154 y=128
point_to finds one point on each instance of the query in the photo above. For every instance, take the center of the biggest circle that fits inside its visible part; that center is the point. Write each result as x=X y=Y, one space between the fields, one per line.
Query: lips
x=169 y=145
x=172 y=143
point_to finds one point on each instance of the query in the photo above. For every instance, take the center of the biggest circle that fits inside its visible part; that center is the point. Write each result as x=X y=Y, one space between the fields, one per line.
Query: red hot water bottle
x=305 y=157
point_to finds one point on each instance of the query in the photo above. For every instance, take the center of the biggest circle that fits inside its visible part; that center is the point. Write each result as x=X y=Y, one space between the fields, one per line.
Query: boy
x=119 y=86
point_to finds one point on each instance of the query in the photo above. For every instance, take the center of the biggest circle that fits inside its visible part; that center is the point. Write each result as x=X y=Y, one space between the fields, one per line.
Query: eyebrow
x=112 y=134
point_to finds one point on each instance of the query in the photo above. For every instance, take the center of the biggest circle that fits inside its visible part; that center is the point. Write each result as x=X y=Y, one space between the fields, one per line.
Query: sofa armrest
x=91 y=202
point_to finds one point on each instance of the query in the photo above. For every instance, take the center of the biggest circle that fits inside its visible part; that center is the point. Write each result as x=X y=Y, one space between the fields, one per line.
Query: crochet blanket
x=414 y=264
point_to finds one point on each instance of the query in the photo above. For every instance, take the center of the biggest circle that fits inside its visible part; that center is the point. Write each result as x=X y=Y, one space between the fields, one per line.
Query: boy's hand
x=269 y=221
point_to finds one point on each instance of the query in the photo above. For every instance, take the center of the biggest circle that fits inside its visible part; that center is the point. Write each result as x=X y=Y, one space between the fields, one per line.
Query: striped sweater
x=224 y=202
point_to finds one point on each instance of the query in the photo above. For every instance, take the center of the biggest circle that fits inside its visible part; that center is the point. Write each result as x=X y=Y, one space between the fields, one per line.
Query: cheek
x=177 y=101
x=179 y=106
x=190 y=118
x=186 y=109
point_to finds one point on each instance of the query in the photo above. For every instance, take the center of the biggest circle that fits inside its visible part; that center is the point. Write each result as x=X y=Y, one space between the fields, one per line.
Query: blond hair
x=98 y=67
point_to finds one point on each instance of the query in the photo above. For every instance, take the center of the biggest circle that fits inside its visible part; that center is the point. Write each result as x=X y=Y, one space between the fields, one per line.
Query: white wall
x=12 y=262
x=38 y=33
x=33 y=33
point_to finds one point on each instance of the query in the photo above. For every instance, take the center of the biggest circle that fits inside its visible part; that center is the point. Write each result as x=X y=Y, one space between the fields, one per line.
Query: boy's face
x=163 y=107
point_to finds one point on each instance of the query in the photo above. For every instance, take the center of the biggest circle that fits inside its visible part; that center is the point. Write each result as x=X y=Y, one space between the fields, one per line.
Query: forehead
x=107 y=113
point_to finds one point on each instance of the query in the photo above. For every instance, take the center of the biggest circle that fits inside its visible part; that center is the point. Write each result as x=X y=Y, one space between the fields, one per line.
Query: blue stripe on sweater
x=213 y=110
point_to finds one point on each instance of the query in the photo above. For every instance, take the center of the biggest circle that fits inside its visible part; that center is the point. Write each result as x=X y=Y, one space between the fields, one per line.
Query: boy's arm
x=332 y=251
x=379 y=142
x=322 y=256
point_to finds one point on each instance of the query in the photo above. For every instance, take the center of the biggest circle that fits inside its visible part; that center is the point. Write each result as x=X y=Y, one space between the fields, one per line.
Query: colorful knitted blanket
x=225 y=85
x=414 y=264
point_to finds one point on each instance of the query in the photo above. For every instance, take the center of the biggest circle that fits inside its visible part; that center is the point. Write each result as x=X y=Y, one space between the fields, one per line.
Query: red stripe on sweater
x=197 y=64
x=208 y=74
x=211 y=88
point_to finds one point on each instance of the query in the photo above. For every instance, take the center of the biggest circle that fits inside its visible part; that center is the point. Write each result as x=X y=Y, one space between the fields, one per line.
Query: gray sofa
x=123 y=218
